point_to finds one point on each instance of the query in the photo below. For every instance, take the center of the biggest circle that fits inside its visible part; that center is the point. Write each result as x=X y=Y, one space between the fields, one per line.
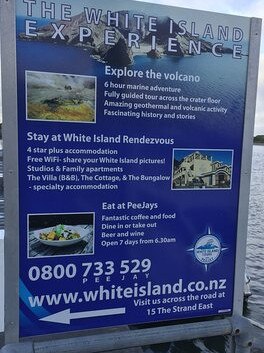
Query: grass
x=75 y=112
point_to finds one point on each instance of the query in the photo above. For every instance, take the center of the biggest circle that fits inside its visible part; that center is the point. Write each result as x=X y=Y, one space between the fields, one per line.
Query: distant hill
x=259 y=139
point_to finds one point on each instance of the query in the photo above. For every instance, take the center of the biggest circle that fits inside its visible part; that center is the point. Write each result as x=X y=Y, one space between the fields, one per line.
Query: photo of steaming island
x=60 y=97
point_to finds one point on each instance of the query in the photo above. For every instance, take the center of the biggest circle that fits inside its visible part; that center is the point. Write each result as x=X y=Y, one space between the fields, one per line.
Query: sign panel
x=130 y=123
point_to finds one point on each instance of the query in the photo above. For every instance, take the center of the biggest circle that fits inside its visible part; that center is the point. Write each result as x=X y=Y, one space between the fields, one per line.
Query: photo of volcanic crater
x=60 y=97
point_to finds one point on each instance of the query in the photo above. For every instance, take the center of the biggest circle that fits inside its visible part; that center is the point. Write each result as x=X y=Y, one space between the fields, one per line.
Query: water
x=255 y=245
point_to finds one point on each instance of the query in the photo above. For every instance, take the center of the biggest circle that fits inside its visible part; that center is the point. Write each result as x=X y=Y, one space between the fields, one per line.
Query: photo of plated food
x=60 y=234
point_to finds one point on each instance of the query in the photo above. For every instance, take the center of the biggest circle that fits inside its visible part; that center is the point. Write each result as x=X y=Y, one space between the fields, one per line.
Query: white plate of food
x=60 y=235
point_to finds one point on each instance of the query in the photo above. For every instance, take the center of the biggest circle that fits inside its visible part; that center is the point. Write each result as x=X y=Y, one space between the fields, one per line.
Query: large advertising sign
x=130 y=125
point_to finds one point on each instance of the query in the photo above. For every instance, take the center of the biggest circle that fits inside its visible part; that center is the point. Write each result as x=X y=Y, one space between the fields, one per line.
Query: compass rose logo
x=207 y=249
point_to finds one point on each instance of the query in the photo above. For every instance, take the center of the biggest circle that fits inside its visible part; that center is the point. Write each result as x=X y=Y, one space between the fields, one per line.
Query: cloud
x=0 y=92
x=253 y=9
x=259 y=118
x=224 y=6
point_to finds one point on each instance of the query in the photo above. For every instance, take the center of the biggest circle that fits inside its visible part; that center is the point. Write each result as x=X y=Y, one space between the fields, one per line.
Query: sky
x=248 y=8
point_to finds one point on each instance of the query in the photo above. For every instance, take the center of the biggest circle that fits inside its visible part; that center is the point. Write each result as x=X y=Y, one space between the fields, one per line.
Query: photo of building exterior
x=204 y=169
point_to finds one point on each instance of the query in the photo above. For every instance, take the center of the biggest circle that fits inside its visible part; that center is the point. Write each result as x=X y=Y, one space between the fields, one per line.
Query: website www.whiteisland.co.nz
x=136 y=291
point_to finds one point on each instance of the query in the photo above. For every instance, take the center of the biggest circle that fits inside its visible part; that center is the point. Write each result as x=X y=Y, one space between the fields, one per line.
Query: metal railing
x=239 y=329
